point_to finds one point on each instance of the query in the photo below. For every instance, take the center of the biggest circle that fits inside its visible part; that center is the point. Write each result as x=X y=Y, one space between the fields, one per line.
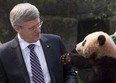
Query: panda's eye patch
x=83 y=43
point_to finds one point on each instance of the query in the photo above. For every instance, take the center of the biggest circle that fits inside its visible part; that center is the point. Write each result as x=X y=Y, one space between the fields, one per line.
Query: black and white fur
x=100 y=50
x=97 y=51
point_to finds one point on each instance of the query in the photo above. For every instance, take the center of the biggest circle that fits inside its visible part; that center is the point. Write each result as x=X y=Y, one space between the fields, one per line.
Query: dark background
x=71 y=19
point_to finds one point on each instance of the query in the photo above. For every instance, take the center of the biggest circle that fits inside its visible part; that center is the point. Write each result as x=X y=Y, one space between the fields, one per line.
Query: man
x=17 y=57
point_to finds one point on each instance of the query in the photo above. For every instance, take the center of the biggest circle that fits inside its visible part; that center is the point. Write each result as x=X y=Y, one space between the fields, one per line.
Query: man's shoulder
x=6 y=44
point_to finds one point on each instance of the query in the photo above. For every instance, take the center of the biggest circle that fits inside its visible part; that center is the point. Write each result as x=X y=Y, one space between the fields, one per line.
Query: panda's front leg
x=66 y=58
x=75 y=60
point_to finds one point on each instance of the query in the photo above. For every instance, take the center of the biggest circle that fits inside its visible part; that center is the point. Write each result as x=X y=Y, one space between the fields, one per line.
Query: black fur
x=104 y=68
x=101 y=40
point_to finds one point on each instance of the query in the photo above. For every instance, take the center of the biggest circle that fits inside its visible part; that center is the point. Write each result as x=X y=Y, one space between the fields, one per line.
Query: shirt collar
x=24 y=44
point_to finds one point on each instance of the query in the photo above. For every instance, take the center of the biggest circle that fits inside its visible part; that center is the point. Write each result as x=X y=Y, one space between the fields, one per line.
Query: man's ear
x=17 y=29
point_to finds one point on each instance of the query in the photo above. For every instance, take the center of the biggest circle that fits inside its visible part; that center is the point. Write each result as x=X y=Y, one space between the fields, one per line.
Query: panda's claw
x=65 y=58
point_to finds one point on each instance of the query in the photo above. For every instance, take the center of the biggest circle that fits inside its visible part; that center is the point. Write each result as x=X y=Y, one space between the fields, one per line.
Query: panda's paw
x=65 y=58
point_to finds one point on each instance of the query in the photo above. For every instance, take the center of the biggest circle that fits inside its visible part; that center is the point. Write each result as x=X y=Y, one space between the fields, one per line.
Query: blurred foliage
x=79 y=9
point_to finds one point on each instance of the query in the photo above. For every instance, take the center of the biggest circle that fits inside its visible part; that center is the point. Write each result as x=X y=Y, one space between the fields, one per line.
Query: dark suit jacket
x=13 y=68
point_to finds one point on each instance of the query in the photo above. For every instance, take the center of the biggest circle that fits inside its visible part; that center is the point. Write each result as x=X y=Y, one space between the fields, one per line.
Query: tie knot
x=31 y=46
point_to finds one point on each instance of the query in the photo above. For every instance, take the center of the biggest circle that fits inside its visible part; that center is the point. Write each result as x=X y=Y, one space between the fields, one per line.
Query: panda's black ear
x=101 y=40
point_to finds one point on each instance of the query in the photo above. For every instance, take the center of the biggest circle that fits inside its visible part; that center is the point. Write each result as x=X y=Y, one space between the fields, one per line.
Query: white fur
x=91 y=46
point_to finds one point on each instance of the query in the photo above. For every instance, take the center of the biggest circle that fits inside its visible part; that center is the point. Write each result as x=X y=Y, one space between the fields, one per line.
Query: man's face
x=31 y=30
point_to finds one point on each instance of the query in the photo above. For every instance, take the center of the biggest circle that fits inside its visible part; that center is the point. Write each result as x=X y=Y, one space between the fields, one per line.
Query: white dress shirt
x=39 y=51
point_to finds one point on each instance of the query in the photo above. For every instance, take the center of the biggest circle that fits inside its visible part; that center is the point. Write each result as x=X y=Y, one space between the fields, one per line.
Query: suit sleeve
x=3 y=78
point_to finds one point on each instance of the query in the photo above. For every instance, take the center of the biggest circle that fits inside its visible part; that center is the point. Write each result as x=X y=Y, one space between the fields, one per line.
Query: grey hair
x=22 y=13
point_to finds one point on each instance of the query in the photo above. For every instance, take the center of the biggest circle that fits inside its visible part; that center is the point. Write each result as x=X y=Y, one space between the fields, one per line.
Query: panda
x=99 y=50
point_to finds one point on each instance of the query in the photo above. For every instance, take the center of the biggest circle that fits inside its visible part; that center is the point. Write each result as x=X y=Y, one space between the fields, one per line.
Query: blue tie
x=35 y=66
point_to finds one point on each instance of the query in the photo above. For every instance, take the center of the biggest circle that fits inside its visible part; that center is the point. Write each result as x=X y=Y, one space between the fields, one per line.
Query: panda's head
x=98 y=44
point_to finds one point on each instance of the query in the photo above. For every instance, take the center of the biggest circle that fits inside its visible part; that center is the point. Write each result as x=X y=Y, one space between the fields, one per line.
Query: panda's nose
x=78 y=50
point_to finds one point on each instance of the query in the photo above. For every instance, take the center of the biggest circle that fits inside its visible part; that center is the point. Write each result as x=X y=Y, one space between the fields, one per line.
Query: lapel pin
x=48 y=46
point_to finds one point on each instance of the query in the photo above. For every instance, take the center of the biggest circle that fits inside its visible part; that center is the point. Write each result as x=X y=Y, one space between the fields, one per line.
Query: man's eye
x=32 y=29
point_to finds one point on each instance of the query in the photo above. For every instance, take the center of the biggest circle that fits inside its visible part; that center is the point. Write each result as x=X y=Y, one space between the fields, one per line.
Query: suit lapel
x=47 y=48
x=19 y=59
